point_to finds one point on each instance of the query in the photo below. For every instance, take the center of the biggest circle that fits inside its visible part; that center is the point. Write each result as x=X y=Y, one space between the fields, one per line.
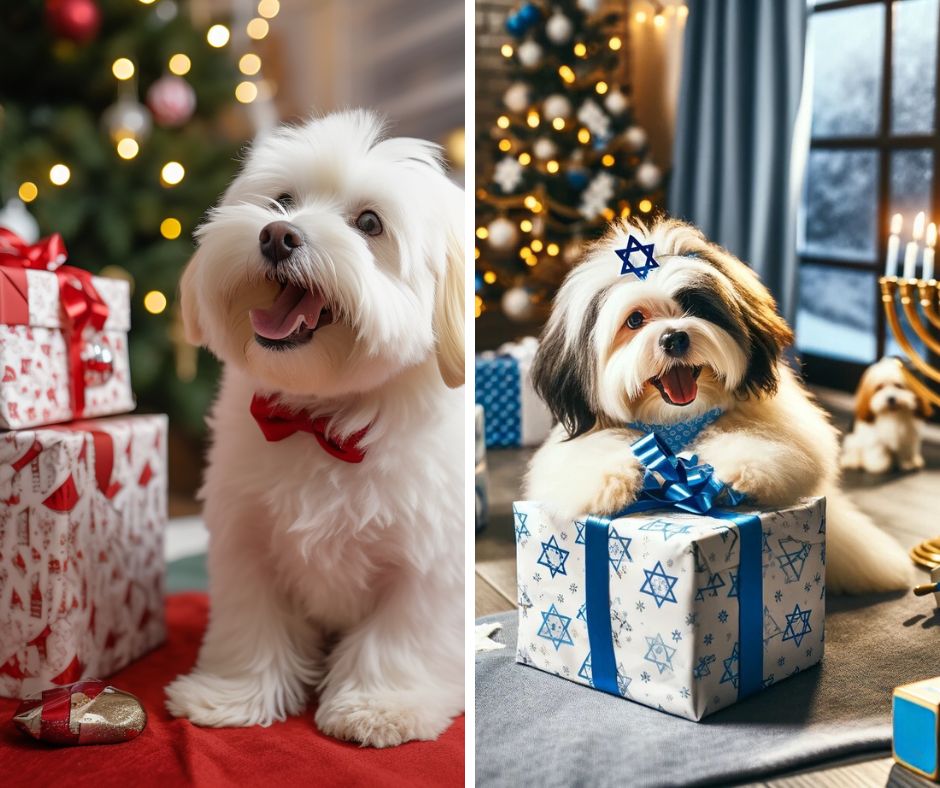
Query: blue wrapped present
x=684 y=602
x=515 y=415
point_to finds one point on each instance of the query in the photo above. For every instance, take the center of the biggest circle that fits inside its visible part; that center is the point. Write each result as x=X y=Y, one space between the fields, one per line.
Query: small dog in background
x=888 y=416
x=330 y=280
x=693 y=334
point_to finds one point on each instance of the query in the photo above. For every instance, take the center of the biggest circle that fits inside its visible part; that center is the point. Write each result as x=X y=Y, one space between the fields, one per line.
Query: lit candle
x=894 y=246
x=913 y=246
x=931 y=243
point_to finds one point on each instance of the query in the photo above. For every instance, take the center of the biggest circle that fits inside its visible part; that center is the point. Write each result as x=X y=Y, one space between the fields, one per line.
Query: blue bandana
x=678 y=436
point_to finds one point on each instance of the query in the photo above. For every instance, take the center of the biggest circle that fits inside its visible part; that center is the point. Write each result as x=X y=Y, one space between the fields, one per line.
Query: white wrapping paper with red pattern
x=34 y=359
x=82 y=516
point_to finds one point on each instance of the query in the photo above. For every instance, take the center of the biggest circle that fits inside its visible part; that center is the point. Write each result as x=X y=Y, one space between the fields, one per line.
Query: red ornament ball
x=172 y=100
x=76 y=20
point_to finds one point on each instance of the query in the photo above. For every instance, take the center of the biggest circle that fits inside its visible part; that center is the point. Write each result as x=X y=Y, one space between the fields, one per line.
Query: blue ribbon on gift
x=677 y=482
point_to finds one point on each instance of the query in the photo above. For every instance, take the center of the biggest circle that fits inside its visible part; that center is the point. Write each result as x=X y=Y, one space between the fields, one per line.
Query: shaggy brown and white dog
x=699 y=333
x=888 y=421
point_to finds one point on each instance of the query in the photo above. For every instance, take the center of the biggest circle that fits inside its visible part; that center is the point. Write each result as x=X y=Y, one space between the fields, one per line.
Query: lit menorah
x=917 y=298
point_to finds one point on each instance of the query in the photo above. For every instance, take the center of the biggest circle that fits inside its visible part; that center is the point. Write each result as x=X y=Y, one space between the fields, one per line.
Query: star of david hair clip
x=633 y=246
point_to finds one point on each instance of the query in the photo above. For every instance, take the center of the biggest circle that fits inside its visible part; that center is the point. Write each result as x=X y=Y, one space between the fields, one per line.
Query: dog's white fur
x=887 y=429
x=343 y=579
x=772 y=442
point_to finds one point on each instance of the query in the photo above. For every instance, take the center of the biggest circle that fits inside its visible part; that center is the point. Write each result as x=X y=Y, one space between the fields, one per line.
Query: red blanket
x=173 y=752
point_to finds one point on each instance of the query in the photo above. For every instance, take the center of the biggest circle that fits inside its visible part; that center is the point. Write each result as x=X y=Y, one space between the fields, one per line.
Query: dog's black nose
x=675 y=343
x=892 y=401
x=279 y=239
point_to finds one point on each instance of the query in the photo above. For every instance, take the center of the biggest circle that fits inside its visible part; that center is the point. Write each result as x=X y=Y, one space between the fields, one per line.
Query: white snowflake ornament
x=597 y=196
x=596 y=120
x=508 y=174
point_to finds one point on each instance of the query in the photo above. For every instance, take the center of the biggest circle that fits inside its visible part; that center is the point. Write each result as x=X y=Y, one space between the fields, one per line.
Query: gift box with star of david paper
x=84 y=507
x=513 y=413
x=686 y=613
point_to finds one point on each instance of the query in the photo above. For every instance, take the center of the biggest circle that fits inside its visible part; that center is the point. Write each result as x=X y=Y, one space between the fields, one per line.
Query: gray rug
x=533 y=728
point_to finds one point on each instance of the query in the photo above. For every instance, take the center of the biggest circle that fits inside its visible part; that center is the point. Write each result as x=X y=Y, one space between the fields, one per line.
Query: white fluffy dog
x=698 y=334
x=330 y=282
x=887 y=429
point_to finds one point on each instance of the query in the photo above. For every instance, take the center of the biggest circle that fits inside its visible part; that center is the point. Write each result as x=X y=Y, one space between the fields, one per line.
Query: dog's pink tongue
x=679 y=383
x=293 y=306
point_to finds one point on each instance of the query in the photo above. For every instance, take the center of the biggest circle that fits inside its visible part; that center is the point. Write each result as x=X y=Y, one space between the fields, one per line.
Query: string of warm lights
x=128 y=141
x=659 y=12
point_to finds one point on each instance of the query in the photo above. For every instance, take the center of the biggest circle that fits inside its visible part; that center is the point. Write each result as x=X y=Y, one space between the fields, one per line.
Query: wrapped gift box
x=679 y=619
x=515 y=414
x=482 y=497
x=81 y=549
x=41 y=359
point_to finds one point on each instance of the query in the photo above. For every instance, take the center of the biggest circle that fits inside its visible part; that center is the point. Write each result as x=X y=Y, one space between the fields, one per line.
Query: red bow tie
x=278 y=421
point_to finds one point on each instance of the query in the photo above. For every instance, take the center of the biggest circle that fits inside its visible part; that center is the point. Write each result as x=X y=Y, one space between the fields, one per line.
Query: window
x=874 y=145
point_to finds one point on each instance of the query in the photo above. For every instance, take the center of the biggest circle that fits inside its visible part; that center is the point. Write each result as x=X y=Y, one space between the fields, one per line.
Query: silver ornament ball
x=530 y=54
x=502 y=233
x=616 y=102
x=556 y=106
x=127 y=117
x=517 y=304
x=516 y=97
x=544 y=148
x=635 y=138
x=558 y=28
x=648 y=175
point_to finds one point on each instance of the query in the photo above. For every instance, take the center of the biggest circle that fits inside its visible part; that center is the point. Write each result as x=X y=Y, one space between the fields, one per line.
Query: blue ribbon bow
x=677 y=482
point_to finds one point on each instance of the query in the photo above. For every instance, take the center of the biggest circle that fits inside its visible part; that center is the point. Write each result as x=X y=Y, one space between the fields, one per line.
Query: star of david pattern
x=680 y=654
x=634 y=246
x=793 y=557
x=666 y=528
x=580 y=525
x=659 y=653
x=659 y=585
x=618 y=548
x=731 y=667
x=553 y=557
x=520 y=519
x=555 y=628
x=798 y=625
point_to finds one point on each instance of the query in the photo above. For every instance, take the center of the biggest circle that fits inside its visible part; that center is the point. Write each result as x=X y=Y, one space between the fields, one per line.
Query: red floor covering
x=173 y=752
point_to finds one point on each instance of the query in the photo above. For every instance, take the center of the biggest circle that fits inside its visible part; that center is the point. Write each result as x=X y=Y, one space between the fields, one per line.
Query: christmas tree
x=561 y=158
x=113 y=133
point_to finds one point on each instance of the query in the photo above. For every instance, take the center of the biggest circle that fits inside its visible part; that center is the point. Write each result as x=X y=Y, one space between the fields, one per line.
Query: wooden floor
x=903 y=504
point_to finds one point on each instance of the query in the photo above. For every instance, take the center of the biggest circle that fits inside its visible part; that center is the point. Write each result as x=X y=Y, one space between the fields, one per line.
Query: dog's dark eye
x=635 y=320
x=369 y=223
x=286 y=201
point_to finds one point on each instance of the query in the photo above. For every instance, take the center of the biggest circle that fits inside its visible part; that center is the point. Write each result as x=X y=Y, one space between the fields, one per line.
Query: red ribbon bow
x=278 y=422
x=81 y=303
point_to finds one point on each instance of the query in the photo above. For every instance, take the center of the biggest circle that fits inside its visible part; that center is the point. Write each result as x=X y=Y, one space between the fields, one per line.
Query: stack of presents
x=83 y=491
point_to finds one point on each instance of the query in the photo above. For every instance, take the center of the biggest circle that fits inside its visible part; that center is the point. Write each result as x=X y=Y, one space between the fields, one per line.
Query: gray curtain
x=736 y=169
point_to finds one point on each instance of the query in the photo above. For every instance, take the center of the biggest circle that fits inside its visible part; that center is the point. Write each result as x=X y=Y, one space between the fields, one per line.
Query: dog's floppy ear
x=767 y=334
x=866 y=390
x=563 y=372
x=187 y=300
x=449 y=300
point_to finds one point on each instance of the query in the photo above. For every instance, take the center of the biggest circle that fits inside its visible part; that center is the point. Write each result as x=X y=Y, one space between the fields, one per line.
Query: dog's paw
x=217 y=702
x=617 y=491
x=753 y=480
x=877 y=461
x=913 y=464
x=384 y=720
